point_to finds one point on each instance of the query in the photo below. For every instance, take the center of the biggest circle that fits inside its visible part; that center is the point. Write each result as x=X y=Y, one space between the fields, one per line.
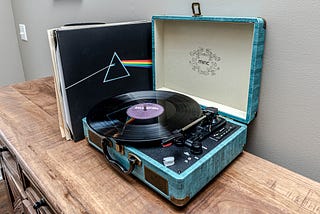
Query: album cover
x=95 y=62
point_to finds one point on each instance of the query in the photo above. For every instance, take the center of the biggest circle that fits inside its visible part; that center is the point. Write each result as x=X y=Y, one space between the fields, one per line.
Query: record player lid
x=215 y=60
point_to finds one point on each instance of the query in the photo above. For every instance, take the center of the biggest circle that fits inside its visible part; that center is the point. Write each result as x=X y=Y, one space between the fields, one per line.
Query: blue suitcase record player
x=177 y=138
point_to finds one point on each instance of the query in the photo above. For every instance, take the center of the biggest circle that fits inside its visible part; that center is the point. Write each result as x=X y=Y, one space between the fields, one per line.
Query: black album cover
x=99 y=62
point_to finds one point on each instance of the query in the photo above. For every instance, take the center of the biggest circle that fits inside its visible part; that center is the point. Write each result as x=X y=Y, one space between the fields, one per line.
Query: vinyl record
x=144 y=116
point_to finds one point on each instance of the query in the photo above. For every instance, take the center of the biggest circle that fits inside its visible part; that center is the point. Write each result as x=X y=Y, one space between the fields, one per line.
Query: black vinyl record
x=143 y=116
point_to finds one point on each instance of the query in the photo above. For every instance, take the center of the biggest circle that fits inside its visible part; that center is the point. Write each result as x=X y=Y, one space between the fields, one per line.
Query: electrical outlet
x=23 y=32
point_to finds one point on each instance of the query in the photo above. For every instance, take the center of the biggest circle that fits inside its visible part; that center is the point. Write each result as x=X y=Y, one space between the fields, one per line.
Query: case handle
x=196 y=9
x=133 y=159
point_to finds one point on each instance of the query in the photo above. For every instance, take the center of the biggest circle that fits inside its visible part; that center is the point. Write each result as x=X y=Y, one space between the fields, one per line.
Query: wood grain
x=75 y=178
x=5 y=206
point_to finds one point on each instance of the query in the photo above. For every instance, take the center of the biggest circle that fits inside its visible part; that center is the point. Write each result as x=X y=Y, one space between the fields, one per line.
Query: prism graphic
x=116 y=70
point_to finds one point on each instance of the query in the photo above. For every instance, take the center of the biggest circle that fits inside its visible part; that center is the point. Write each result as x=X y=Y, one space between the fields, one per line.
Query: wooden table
x=75 y=178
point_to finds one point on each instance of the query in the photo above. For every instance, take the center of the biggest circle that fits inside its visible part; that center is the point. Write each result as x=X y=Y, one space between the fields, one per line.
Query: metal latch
x=119 y=148
x=196 y=9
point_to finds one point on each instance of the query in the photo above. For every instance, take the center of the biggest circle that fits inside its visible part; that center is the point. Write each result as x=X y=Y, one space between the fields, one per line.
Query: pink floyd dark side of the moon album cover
x=99 y=62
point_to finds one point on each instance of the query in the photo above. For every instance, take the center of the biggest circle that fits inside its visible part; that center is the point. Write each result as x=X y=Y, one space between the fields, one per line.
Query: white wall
x=286 y=130
x=10 y=60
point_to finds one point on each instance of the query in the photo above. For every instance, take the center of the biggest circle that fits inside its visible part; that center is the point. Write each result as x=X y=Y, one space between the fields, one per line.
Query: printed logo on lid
x=204 y=61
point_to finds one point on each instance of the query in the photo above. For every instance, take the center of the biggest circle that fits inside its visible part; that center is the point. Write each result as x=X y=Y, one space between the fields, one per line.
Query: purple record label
x=144 y=111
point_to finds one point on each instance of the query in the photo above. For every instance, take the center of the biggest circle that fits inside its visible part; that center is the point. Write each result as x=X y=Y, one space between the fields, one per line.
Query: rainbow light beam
x=141 y=63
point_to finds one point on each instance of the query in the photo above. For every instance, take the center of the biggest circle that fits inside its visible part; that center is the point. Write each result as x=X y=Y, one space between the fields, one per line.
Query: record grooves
x=144 y=116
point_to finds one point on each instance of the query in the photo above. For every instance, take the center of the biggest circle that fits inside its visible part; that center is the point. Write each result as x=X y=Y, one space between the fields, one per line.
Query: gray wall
x=10 y=60
x=286 y=130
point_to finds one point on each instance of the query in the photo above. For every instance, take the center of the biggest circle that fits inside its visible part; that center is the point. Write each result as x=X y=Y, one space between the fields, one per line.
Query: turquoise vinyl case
x=217 y=61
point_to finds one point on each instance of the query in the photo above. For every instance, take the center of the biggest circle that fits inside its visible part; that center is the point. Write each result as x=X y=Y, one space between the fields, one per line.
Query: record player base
x=178 y=188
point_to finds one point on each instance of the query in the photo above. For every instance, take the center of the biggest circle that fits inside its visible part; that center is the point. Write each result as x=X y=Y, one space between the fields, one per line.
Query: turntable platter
x=144 y=116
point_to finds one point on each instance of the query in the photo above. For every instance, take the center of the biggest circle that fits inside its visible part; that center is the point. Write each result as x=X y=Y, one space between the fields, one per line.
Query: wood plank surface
x=5 y=206
x=75 y=178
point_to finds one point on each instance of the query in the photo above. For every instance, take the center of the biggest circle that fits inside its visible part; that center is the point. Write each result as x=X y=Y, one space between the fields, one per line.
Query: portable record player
x=177 y=138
